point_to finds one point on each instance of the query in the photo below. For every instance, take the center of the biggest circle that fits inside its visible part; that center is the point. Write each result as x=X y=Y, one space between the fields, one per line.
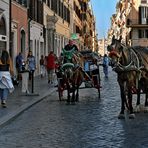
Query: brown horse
x=72 y=75
x=131 y=66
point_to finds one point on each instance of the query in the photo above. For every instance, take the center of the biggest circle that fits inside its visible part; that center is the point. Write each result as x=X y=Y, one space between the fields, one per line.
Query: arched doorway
x=23 y=40
x=2 y=34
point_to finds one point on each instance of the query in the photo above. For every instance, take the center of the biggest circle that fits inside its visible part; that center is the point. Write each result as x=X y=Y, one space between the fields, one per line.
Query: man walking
x=51 y=66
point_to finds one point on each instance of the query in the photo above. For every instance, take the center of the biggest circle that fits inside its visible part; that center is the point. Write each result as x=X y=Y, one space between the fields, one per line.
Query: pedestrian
x=105 y=65
x=42 y=66
x=51 y=66
x=6 y=71
x=31 y=64
x=19 y=64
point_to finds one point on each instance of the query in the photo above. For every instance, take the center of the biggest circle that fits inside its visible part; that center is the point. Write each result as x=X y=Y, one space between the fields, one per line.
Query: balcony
x=134 y=23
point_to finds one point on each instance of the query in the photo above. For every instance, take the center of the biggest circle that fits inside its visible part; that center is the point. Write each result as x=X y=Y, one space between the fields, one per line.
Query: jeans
x=105 y=70
x=4 y=93
x=50 y=75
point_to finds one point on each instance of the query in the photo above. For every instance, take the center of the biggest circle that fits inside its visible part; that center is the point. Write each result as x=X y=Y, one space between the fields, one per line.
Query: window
x=143 y=33
x=22 y=41
x=2 y=26
x=143 y=14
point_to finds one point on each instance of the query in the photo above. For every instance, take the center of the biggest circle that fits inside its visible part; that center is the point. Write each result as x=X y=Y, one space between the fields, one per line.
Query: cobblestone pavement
x=91 y=123
x=18 y=102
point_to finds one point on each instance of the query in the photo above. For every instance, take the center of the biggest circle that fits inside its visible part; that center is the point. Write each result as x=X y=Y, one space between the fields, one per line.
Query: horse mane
x=125 y=59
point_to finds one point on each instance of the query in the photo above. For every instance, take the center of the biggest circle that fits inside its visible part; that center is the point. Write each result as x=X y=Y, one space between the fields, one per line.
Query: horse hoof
x=131 y=116
x=121 y=116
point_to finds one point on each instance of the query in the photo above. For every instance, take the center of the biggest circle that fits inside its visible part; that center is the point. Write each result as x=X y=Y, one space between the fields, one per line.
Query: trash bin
x=25 y=79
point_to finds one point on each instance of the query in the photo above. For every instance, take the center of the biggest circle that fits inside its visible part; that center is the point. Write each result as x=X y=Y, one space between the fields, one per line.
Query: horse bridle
x=131 y=65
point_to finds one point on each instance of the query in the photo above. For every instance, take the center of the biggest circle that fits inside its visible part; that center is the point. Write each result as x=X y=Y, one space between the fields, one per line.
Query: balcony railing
x=134 y=23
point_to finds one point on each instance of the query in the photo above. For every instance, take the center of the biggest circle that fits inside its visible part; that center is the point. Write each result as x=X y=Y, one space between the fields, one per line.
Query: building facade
x=57 y=25
x=118 y=21
x=19 y=29
x=45 y=25
x=4 y=25
x=35 y=30
x=130 y=22
x=137 y=21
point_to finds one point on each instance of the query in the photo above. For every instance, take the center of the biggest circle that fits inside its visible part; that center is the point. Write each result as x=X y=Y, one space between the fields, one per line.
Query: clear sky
x=103 y=10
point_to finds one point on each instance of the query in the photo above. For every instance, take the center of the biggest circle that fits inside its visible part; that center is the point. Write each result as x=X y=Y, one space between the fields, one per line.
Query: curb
x=9 y=117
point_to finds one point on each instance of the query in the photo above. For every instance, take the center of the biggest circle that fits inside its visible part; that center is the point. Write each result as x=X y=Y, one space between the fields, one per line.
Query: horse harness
x=135 y=63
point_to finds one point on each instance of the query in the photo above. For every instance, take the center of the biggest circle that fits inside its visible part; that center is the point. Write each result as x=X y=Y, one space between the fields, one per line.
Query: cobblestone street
x=91 y=123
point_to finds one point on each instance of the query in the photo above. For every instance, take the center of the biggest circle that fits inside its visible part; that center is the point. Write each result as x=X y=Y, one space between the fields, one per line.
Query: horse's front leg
x=68 y=94
x=138 y=107
x=121 y=114
x=131 y=114
x=73 y=95
x=77 y=94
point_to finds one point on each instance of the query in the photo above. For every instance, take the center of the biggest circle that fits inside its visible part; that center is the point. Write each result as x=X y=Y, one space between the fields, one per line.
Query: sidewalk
x=18 y=102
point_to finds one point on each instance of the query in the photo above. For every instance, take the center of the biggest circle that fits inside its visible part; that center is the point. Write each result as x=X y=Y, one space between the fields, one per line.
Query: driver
x=69 y=51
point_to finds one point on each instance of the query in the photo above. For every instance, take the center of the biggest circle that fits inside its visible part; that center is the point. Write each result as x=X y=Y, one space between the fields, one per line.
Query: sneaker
x=3 y=103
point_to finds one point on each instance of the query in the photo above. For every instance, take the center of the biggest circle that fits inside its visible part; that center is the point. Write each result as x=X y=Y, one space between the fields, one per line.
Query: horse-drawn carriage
x=71 y=76
x=91 y=68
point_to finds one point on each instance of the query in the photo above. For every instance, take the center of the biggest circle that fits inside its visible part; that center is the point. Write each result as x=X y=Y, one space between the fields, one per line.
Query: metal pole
x=10 y=41
x=32 y=78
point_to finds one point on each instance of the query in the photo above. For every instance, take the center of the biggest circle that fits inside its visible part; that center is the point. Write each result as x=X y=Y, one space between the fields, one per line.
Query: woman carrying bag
x=6 y=71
